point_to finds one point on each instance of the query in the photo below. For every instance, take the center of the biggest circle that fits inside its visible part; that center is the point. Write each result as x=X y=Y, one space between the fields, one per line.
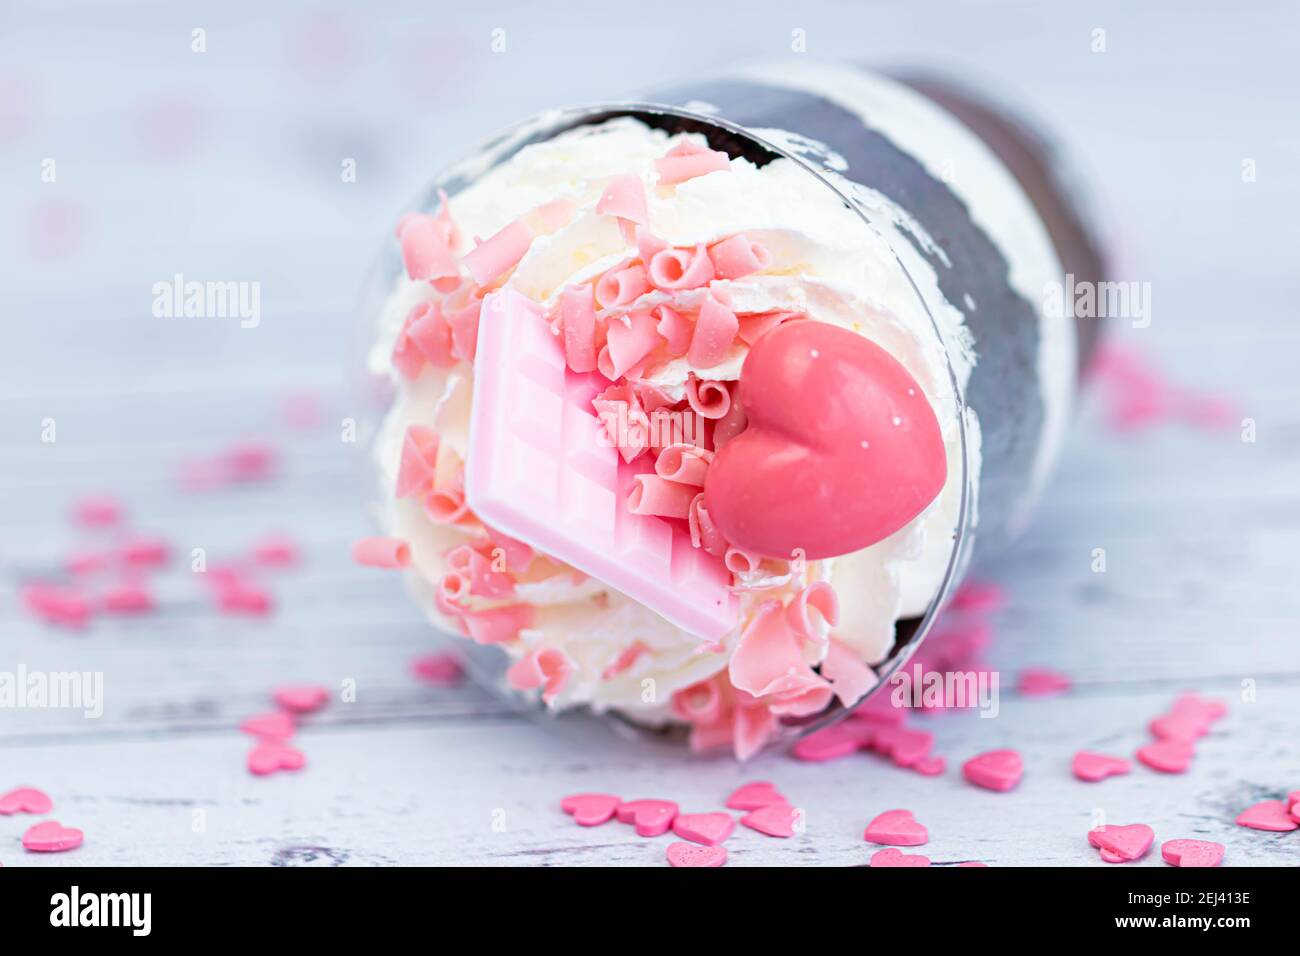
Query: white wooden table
x=1201 y=531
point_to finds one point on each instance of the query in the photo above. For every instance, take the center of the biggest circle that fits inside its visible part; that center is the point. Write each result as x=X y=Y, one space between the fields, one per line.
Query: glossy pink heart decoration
x=650 y=817
x=893 y=857
x=775 y=820
x=996 y=770
x=842 y=447
x=52 y=837
x=272 y=755
x=1092 y=766
x=590 y=809
x=896 y=828
x=709 y=829
x=25 y=800
x=1192 y=852
x=751 y=796
x=688 y=854
x=1267 y=815
x=1121 y=844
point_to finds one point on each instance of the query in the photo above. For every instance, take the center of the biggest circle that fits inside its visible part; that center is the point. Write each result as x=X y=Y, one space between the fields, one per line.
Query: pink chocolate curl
x=752 y=327
x=382 y=553
x=715 y=330
x=684 y=464
x=737 y=256
x=677 y=269
x=498 y=254
x=686 y=161
x=425 y=251
x=498 y=625
x=708 y=398
x=546 y=667
x=627 y=342
x=428 y=331
x=621 y=286
x=813 y=612
x=675 y=328
x=741 y=562
x=624 y=197
x=652 y=495
x=578 y=318
x=416 y=473
x=703 y=532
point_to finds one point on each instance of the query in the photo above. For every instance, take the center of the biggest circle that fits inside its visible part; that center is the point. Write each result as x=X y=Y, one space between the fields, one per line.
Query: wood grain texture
x=1201 y=530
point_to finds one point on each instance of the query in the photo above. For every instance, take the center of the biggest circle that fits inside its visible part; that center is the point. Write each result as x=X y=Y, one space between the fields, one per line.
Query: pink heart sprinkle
x=995 y=770
x=442 y=669
x=1185 y=727
x=754 y=795
x=775 y=820
x=272 y=755
x=709 y=829
x=1267 y=815
x=52 y=837
x=893 y=857
x=650 y=817
x=1124 y=843
x=1192 y=852
x=1167 y=756
x=688 y=854
x=831 y=743
x=1041 y=681
x=25 y=800
x=301 y=698
x=590 y=809
x=1092 y=766
x=275 y=725
x=931 y=766
x=897 y=827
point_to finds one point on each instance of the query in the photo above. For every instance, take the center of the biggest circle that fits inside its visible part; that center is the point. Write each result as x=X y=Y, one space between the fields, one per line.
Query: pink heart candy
x=931 y=766
x=1092 y=766
x=52 y=837
x=897 y=827
x=797 y=476
x=709 y=829
x=1122 y=843
x=650 y=817
x=775 y=820
x=25 y=800
x=1267 y=815
x=1185 y=727
x=272 y=755
x=995 y=770
x=751 y=796
x=688 y=854
x=906 y=747
x=831 y=743
x=275 y=725
x=1167 y=756
x=1041 y=681
x=1192 y=852
x=301 y=698
x=590 y=809
x=893 y=857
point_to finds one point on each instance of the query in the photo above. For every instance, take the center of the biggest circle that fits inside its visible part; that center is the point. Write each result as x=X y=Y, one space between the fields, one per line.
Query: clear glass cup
x=822 y=119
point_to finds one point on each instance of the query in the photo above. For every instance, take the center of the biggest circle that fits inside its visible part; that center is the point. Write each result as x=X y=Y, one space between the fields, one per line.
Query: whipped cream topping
x=825 y=263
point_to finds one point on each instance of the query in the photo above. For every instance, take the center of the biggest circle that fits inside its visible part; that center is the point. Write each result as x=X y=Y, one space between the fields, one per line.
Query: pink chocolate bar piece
x=539 y=470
